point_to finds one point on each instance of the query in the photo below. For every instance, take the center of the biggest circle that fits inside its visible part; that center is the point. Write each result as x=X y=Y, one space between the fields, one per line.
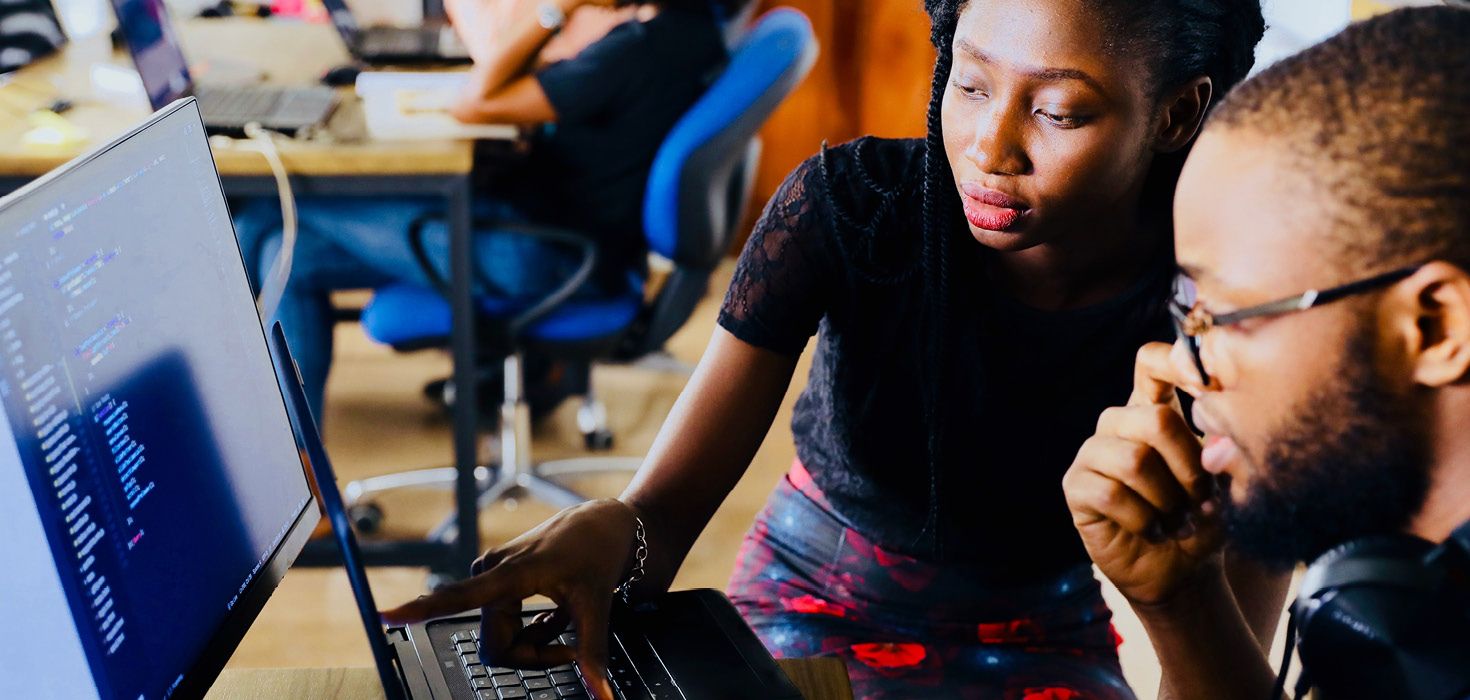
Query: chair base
x=538 y=483
x=515 y=477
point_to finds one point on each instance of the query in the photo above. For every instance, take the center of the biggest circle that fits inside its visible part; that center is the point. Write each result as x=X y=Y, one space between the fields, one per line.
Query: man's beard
x=1349 y=462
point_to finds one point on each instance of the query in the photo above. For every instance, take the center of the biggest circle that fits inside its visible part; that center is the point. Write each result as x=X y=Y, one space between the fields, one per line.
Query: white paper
x=414 y=106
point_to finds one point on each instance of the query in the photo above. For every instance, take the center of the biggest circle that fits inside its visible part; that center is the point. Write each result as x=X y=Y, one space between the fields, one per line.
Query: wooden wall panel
x=893 y=67
x=871 y=77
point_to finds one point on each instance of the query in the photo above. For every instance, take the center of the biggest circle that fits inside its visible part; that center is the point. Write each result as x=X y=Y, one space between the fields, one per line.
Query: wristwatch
x=550 y=15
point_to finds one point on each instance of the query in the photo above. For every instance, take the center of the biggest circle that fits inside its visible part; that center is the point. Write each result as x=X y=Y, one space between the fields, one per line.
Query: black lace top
x=836 y=254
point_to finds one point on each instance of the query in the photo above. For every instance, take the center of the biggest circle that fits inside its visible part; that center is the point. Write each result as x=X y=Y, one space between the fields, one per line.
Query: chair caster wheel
x=367 y=518
x=598 y=441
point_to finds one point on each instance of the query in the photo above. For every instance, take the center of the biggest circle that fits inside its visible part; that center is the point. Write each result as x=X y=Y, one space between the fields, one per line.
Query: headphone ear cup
x=1372 y=623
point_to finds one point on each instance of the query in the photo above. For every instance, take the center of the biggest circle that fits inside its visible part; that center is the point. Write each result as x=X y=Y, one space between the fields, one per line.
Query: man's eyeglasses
x=1192 y=321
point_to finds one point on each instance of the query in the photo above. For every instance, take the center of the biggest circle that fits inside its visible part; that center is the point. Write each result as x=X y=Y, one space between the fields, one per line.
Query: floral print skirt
x=811 y=586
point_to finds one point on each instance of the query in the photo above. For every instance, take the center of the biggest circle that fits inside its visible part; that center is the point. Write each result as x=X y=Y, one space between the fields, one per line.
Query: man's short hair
x=1379 y=117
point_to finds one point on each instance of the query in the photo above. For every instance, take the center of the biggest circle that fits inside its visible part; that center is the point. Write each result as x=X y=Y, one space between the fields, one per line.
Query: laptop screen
x=148 y=472
x=342 y=19
x=152 y=42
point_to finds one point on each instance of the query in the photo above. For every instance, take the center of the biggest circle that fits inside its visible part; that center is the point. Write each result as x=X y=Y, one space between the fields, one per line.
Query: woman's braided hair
x=1182 y=38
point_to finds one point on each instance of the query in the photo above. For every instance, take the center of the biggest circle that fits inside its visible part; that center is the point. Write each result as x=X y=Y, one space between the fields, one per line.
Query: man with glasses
x=1323 y=310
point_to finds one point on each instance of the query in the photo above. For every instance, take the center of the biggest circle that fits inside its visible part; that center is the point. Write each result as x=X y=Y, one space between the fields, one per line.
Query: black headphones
x=1384 y=617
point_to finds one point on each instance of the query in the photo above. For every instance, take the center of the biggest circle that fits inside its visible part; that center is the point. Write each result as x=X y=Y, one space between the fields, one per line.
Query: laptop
x=155 y=49
x=380 y=45
x=151 y=463
x=687 y=645
x=151 y=495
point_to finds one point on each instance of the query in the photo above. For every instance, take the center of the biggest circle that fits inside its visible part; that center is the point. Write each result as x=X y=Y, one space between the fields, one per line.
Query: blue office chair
x=697 y=192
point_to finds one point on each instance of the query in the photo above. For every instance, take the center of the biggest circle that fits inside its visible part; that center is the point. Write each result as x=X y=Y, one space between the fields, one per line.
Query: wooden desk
x=343 y=163
x=283 y=53
x=817 y=679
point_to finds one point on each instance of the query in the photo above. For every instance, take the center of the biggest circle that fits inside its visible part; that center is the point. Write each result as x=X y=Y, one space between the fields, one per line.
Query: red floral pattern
x=812 y=605
x=890 y=655
x=909 y=628
x=1051 y=694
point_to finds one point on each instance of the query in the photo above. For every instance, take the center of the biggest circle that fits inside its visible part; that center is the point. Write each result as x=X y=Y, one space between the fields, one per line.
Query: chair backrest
x=700 y=180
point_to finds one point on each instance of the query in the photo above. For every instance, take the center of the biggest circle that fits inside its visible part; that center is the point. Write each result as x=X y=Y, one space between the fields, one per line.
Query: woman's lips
x=990 y=209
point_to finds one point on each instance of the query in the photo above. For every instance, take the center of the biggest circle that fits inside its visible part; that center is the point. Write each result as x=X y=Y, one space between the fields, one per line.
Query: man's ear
x=1436 y=323
x=1183 y=113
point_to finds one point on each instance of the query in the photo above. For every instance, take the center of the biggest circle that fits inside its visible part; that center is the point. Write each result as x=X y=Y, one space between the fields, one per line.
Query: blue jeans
x=358 y=242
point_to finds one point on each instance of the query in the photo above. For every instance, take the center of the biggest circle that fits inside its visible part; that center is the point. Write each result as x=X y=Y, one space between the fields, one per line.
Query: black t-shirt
x=836 y=254
x=615 y=102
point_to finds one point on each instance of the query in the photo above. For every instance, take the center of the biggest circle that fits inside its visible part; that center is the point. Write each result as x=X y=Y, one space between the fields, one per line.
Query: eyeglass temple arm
x=1314 y=297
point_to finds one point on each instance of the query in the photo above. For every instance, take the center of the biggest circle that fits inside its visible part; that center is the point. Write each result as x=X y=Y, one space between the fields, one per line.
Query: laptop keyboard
x=497 y=683
x=393 y=41
x=269 y=106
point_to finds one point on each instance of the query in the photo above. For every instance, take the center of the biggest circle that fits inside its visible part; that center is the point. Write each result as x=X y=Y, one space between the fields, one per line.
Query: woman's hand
x=576 y=558
x=1144 y=506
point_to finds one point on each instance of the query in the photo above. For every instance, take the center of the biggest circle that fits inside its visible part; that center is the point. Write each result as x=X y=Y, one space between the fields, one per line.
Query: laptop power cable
x=273 y=283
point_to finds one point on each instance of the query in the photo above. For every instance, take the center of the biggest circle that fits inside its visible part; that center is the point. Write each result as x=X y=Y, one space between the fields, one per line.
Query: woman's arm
x=476 y=21
x=501 y=87
x=578 y=556
x=705 y=447
x=581 y=554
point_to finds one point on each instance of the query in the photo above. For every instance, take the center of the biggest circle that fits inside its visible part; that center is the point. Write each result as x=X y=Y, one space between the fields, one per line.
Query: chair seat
x=405 y=314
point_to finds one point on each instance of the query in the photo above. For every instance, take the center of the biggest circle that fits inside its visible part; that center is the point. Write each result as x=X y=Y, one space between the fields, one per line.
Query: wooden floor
x=377 y=422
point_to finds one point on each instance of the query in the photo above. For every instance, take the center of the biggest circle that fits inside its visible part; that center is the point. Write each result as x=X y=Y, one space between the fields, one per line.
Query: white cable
x=273 y=282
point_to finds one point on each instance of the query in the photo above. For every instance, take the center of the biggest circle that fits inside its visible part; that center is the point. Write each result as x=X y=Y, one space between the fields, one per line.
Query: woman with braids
x=978 y=298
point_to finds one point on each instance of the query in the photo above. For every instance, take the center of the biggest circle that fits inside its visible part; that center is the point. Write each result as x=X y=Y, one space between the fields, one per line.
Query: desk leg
x=462 y=340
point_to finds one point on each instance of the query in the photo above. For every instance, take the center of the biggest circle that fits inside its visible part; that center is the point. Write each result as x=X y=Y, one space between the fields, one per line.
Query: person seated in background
x=1336 y=417
x=481 y=23
x=604 y=114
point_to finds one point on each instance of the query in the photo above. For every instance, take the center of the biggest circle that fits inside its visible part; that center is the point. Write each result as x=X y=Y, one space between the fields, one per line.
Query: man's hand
x=1140 y=500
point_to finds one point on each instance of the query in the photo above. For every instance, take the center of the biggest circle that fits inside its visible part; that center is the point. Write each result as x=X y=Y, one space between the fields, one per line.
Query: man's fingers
x=474 y=592
x=1139 y=467
x=1154 y=376
x=1164 y=431
x=1095 y=497
x=591 y=615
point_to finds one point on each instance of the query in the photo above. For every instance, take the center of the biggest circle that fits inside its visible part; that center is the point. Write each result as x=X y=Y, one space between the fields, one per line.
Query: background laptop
x=151 y=496
x=432 y=43
x=690 y=645
x=155 y=49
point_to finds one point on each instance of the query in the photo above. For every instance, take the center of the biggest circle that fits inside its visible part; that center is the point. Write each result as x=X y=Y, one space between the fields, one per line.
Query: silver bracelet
x=640 y=558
